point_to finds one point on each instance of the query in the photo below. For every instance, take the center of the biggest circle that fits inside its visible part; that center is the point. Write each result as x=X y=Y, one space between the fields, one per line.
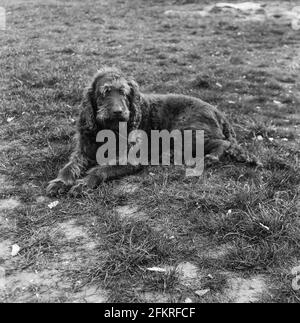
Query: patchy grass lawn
x=232 y=235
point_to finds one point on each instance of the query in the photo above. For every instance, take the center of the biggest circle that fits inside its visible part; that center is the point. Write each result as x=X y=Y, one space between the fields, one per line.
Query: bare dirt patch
x=130 y=212
x=219 y=251
x=189 y=274
x=92 y=294
x=71 y=230
x=9 y=204
x=243 y=290
x=278 y=13
x=5 y=249
x=5 y=222
x=155 y=297
x=19 y=286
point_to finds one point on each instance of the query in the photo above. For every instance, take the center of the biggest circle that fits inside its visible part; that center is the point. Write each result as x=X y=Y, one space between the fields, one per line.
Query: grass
x=50 y=52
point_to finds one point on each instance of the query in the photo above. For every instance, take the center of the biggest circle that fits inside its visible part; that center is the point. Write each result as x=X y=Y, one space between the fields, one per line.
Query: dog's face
x=113 y=101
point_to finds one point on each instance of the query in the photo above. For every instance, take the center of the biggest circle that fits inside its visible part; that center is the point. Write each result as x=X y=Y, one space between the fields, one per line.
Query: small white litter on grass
x=158 y=269
x=53 y=204
x=264 y=226
x=188 y=300
x=10 y=119
x=15 y=250
x=202 y=292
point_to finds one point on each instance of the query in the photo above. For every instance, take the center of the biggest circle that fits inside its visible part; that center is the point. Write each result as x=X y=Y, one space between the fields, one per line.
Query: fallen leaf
x=188 y=300
x=264 y=226
x=10 y=119
x=202 y=292
x=2 y=272
x=158 y=269
x=15 y=250
x=53 y=204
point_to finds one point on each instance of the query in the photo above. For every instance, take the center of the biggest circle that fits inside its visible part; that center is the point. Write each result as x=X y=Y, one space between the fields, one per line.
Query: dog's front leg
x=74 y=169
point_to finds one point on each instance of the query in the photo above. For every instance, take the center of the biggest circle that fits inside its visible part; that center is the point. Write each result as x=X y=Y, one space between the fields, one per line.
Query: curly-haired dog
x=112 y=98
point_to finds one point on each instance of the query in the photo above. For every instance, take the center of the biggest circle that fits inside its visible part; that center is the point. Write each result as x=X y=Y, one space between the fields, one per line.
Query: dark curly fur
x=112 y=98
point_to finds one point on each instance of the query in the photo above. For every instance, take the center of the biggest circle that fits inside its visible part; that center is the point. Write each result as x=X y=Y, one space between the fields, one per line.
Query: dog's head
x=112 y=98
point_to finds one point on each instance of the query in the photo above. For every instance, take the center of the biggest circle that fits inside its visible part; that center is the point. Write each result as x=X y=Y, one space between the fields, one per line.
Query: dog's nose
x=117 y=112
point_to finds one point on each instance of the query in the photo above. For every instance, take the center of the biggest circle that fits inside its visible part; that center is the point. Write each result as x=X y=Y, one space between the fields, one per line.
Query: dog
x=112 y=98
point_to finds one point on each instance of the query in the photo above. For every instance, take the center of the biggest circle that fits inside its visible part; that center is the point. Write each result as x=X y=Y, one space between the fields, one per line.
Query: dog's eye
x=106 y=91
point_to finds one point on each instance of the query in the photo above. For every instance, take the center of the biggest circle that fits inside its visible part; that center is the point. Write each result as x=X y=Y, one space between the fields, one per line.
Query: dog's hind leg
x=240 y=155
x=214 y=149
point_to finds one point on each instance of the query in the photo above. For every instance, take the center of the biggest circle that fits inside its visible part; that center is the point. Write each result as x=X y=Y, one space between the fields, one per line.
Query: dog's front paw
x=56 y=187
x=86 y=184
x=79 y=188
x=82 y=186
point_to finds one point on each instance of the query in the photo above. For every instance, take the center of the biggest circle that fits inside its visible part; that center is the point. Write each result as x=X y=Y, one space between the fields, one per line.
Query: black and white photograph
x=149 y=154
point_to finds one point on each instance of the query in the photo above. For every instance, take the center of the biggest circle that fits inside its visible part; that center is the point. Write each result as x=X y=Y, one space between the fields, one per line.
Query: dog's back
x=174 y=111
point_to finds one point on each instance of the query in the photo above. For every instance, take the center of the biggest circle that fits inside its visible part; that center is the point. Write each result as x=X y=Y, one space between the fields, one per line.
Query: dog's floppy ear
x=135 y=103
x=89 y=106
x=134 y=88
